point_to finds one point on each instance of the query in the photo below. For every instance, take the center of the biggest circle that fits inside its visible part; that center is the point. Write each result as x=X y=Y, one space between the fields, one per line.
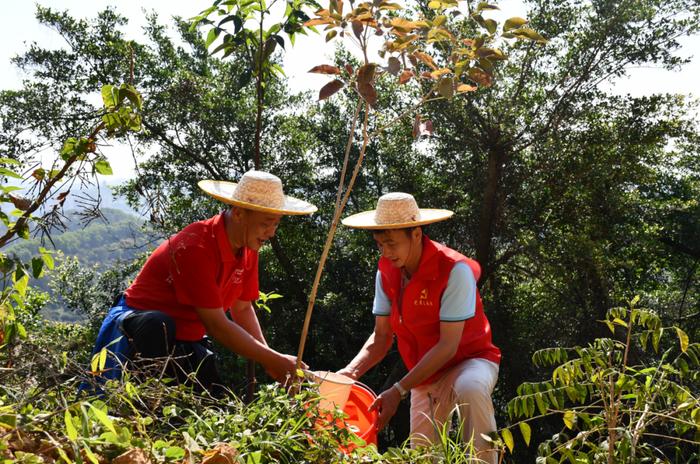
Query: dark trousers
x=152 y=336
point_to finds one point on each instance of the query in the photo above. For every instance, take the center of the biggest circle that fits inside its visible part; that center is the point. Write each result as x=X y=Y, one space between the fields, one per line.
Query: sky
x=20 y=29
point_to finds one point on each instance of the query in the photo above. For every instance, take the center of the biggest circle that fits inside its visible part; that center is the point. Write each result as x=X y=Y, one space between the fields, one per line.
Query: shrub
x=632 y=398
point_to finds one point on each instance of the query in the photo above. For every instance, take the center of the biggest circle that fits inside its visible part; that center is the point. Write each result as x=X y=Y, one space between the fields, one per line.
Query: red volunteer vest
x=417 y=322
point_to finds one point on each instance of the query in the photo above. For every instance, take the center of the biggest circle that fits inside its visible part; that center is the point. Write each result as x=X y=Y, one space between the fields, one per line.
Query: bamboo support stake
x=348 y=146
x=334 y=225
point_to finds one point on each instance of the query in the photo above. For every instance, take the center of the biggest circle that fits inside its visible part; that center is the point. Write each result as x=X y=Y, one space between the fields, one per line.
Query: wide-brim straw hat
x=257 y=191
x=396 y=210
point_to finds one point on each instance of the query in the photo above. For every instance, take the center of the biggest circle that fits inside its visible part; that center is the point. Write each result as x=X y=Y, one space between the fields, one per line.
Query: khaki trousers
x=467 y=388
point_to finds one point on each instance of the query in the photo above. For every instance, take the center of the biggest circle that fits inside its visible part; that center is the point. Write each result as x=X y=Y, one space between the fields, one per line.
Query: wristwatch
x=402 y=391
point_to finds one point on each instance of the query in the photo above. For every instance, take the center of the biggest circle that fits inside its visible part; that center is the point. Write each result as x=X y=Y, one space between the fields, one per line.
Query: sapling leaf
x=330 y=89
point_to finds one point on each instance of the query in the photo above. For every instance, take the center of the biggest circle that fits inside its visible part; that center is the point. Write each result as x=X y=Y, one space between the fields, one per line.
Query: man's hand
x=386 y=404
x=283 y=367
x=347 y=372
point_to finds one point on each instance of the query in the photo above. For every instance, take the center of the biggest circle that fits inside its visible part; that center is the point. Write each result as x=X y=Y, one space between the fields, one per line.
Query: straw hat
x=259 y=191
x=396 y=210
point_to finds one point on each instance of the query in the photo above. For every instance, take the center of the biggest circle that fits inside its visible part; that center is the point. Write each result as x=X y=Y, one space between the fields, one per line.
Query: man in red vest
x=194 y=277
x=426 y=295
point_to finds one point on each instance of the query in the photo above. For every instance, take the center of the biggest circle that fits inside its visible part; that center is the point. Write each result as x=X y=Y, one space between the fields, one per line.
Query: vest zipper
x=400 y=303
x=402 y=287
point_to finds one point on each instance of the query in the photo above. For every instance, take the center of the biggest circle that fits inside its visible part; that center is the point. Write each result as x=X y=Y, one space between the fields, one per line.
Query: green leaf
x=513 y=23
x=390 y=6
x=541 y=407
x=46 y=256
x=527 y=33
x=102 y=359
x=70 y=143
x=23 y=231
x=37 y=267
x=21 y=285
x=486 y=6
x=70 y=428
x=644 y=339
x=21 y=331
x=695 y=415
x=225 y=45
x=226 y=20
x=130 y=93
x=91 y=456
x=9 y=173
x=569 y=417
x=174 y=452
x=102 y=166
x=490 y=25
x=103 y=418
x=610 y=325
x=95 y=362
x=508 y=439
x=110 y=98
x=526 y=432
x=211 y=36
x=530 y=406
x=135 y=123
x=682 y=339
x=9 y=161
x=656 y=337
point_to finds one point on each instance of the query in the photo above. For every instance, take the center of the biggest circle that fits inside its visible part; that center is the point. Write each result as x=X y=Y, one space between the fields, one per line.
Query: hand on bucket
x=348 y=373
x=283 y=368
x=386 y=404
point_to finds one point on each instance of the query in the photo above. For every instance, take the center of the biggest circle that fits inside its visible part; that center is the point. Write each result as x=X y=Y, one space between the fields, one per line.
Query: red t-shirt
x=195 y=268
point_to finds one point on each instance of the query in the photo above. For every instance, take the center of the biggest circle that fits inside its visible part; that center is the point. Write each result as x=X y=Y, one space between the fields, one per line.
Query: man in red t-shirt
x=426 y=296
x=194 y=277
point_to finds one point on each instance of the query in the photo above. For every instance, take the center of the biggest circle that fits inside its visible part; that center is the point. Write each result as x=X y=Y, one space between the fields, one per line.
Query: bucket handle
x=366 y=387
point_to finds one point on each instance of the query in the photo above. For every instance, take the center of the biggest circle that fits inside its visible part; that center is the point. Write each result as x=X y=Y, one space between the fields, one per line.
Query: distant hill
x=119 y=236
x=116 y=237
x=77 y=198
x=104 y=191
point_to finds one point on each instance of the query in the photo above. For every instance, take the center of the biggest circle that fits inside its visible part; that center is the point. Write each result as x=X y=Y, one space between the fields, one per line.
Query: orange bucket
x=333 y=388
x=361 y=420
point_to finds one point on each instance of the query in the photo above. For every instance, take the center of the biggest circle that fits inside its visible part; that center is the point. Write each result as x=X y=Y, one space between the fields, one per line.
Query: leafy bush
x=632 y=399
x=43 y=418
